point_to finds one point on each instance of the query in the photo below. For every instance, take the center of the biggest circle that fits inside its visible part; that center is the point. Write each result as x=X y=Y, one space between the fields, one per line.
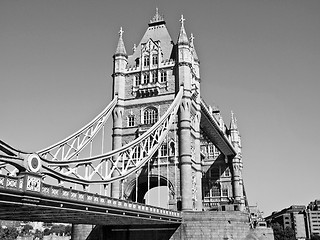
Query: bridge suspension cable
x=72 y=145
x=112 y=166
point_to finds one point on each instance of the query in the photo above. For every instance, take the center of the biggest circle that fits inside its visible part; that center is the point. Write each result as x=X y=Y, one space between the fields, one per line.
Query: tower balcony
x=148 y=89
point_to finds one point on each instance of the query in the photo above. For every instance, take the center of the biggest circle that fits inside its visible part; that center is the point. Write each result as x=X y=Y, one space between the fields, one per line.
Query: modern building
x=292 y=217
x=312 y=216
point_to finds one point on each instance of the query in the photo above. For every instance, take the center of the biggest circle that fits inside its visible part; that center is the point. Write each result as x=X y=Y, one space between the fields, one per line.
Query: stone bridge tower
x=146 y=83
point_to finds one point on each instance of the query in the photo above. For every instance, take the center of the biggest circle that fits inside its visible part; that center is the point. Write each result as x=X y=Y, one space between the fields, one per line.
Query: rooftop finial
x=121 y=48
x=183 y=38
x=157 y=17
x=182 y=20
x=233 y=123
x=191 y=38
x=121 y=32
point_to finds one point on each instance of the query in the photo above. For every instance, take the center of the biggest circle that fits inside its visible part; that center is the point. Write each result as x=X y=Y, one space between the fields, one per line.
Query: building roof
x=158 y=33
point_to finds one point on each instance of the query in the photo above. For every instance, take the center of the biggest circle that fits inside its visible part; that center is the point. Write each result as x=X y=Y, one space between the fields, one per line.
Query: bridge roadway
x=26 y=198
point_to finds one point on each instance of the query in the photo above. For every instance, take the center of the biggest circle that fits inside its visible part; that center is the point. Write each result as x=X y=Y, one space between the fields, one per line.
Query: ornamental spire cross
x=182 y=20
x=121 y=32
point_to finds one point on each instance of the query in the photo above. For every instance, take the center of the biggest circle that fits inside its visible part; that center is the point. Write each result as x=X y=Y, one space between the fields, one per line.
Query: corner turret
x=184 y=57
x=120 y=60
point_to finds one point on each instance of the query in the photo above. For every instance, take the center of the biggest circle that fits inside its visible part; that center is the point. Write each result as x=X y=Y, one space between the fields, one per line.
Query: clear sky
x=259 y=58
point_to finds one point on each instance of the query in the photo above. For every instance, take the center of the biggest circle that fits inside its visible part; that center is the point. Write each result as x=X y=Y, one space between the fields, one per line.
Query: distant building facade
x=312 y=216
x=292 y=217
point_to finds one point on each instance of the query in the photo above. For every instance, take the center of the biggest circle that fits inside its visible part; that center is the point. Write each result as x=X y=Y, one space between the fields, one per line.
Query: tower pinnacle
x=121 y=50
x=195 y=56
x=183 y=38
x=233 y=122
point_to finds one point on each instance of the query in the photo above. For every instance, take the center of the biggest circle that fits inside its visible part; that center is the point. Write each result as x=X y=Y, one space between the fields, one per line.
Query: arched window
x=150 y=115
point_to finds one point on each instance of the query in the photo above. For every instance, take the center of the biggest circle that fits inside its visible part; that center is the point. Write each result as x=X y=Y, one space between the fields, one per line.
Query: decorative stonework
x=33 y=184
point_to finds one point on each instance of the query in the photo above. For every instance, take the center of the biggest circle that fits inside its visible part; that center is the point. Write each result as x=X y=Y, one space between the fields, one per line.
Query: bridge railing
x=31 y=183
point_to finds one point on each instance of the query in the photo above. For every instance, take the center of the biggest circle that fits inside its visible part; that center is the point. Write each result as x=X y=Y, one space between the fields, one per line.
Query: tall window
x=150 y=116
x=130 y=120
x=216 y=191
x=172 y=149
x=146 y=78
x=225 y=192
x=210 y=150
x=138 y=79
x=164 y=150
x=163 y=77
x=146 y=61
x=154 y=59
x=154 y=76
x=137 y=62
x=227 y=172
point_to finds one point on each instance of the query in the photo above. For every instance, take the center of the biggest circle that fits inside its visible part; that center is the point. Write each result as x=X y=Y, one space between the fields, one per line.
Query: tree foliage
x=282 y=234
x=26 y=229
x=315 y=237
x=58 y=229
x=10 y=233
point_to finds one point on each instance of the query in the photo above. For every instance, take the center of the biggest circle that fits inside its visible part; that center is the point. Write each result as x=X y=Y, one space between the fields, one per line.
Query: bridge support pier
x=81 y=231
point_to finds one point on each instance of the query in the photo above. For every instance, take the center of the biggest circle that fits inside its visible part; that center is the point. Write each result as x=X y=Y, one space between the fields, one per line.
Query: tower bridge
x=164 y=134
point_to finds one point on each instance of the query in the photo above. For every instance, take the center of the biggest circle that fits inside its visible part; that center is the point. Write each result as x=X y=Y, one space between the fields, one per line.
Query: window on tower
x=146 y=78
x=130 y=120
x=163 y=76
x=216 y=191
x=154 y=76
x=225 y=192
x=137 y=62
x=227 y=172
x=150 y=115
x=155 y=59
x=164 y=150
x=146 y=61
x=138 y=80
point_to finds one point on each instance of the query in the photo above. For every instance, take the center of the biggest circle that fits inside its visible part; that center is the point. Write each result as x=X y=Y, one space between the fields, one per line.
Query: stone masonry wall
x=219 y=226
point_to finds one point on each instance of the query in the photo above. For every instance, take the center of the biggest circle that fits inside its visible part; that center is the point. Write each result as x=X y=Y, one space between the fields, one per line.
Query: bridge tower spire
x=120 y=60
x=237 y=165
x=184 y=71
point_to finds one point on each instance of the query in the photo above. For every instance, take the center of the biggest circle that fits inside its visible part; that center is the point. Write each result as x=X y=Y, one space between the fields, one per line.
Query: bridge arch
x=155 y=180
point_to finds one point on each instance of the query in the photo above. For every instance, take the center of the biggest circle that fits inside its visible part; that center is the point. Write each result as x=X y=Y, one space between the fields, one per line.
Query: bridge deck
x=18 y=203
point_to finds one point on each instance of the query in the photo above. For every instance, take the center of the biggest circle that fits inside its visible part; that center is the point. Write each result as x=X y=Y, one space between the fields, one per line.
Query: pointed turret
x=195 y=61
x=194 y=53
x=234 y=133
x=183 y=38
x=233 y=122
x=120 y=60
x=121 y=50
